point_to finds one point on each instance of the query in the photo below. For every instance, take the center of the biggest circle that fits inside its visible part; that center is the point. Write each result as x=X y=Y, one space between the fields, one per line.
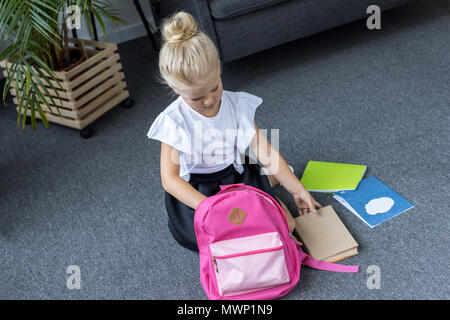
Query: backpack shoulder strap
x=309 y=261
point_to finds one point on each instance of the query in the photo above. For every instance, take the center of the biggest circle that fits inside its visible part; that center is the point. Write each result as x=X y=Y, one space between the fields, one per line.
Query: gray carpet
x=379 y=98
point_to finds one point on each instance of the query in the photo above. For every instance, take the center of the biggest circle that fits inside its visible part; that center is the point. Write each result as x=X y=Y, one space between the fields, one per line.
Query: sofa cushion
x=227 y=9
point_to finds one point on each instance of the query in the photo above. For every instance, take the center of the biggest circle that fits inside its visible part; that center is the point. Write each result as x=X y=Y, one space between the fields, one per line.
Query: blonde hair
x=188 y=57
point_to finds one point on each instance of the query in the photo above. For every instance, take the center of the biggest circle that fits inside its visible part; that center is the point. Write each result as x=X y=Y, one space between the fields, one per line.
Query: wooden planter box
x=89 y=90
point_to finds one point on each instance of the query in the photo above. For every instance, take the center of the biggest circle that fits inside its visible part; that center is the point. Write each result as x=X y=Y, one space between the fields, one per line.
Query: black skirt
x=181 y=217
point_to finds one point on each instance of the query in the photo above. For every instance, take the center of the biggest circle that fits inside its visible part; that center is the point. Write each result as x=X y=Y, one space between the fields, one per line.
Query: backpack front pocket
x=248 y=264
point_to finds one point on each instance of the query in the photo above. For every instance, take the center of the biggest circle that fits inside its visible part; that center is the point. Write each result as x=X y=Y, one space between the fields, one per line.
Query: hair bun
x=179 y=27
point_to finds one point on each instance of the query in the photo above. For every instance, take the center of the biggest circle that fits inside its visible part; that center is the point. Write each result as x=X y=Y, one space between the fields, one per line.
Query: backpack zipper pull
x=215 y=264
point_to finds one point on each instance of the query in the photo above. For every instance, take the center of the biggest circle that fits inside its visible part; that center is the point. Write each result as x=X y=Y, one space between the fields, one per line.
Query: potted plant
x=51 y=76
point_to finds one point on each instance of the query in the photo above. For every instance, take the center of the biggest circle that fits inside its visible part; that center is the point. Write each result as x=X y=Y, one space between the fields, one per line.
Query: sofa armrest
x=199 y=10
x=204 y=19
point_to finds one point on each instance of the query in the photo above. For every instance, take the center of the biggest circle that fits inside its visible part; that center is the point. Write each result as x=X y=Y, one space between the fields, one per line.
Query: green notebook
x=322 y=176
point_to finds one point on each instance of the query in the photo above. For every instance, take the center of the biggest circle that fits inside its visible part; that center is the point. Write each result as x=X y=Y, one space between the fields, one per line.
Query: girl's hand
x=305 y=202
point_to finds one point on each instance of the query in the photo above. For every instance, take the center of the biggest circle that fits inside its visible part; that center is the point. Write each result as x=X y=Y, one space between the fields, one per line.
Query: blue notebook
x=373 y=201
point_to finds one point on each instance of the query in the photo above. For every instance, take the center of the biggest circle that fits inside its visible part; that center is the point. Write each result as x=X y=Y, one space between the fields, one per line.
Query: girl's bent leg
x=181 y=222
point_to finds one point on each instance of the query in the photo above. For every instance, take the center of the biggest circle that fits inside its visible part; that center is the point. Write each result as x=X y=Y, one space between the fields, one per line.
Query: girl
x=205 y=131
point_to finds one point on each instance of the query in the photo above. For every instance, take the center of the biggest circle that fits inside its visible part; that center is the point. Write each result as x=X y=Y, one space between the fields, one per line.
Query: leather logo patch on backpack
x=237 y=216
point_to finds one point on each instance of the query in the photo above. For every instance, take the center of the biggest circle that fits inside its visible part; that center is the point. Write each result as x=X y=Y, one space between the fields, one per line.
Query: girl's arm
x=275 y=163
x=172 y=182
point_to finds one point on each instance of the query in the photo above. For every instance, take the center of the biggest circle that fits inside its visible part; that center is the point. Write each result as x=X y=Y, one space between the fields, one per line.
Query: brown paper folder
x=324 y=235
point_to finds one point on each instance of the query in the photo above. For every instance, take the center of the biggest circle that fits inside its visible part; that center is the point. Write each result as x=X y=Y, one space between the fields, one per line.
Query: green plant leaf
x=34 y=34
x=39 y=85
x=28 y=77
x=8 y=83
x=43 y=28
x=24 y=115
x=45 y=14
x=6 y=14
x=47 y=81
x=100 y=21
x=13 y=25
x=10 y=76
x=21 y=99
x=55 y=8
x=43 y=117
x=7 y=52
x=33 y=103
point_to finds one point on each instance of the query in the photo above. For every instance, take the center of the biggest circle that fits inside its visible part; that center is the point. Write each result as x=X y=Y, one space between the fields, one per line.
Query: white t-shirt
x=205 y=144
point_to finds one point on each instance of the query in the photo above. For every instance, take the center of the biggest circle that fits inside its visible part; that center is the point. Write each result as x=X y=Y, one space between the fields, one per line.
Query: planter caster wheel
x=86 y=133
x=127 y=103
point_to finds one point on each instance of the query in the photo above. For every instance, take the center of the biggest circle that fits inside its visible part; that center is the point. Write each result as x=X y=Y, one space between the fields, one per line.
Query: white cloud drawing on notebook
x=379 y=205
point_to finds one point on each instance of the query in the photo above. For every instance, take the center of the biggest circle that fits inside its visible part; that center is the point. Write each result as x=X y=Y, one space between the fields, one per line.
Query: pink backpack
x=245 y=247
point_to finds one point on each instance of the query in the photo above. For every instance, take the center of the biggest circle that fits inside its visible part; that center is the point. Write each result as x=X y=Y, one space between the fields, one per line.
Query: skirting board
x=126 y=33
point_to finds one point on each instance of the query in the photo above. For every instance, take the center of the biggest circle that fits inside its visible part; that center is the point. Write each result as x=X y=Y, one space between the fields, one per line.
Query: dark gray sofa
x=243 y=27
